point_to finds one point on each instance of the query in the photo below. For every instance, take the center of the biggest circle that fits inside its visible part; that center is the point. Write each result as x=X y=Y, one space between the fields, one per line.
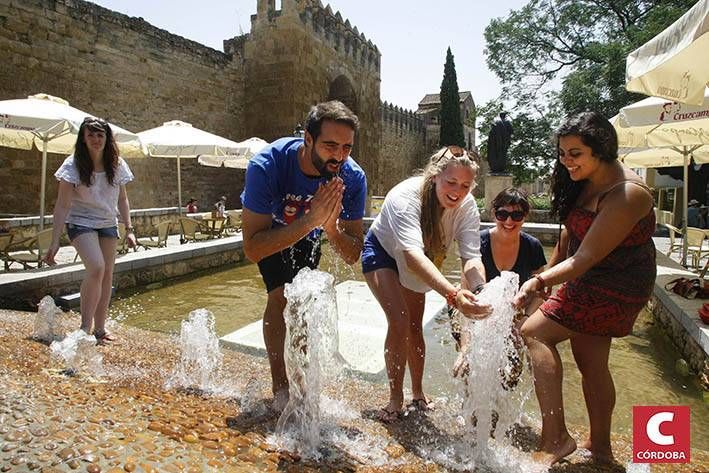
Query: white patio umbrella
x=674 y=63
x=240 y=160
x=177 y=139
x=645 y=136
x=51 y=124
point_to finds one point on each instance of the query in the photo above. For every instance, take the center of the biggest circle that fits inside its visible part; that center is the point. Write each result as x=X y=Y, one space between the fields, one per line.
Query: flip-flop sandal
x=105 y=338
x=421 y=405
x=387 y=416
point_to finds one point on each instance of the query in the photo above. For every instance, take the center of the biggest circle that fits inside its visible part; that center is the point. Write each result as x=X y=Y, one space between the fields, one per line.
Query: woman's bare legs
x=416 y=349
x=591 y=355
x=108 y=249
x=541 y=336
x=89 y=249
x=384 y=284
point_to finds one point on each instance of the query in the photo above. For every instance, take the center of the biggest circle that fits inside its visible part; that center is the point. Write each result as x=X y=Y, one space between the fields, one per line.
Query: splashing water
x=46 y=322
x=310 y=357
x=78 y=353
x=490 y=402
x=200 y=362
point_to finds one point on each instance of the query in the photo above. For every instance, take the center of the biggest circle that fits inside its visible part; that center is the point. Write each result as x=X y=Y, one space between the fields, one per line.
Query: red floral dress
x=607 y=298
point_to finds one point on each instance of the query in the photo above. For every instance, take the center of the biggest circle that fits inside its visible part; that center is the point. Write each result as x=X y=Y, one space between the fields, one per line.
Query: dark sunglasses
x=455 y=151
x=502 y=215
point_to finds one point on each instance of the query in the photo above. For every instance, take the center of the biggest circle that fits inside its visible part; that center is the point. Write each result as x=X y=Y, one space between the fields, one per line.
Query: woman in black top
x=506 y=247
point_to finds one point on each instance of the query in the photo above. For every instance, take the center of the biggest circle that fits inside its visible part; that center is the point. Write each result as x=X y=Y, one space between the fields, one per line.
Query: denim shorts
x=75 y=230
x=374 y=256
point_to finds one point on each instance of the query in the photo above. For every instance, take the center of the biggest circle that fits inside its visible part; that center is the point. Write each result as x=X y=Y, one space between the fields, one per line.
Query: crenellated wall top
x=393 y=115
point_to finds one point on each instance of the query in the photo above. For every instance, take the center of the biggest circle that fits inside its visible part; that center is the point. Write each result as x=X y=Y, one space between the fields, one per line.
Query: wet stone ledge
x=23 y=290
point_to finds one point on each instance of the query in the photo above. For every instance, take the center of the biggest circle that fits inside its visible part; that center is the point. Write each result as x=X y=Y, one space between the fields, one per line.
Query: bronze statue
x=498 y=143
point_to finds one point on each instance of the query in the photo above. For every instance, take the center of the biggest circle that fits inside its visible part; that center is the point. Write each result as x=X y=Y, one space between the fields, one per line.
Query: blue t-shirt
x=276 y=185
x=530 y=257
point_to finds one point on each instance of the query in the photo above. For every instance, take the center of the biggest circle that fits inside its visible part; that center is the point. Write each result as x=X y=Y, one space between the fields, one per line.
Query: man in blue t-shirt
x=296 y=189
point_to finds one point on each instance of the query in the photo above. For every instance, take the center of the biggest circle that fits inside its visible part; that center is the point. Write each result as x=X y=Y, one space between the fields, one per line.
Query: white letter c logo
x=653 y=428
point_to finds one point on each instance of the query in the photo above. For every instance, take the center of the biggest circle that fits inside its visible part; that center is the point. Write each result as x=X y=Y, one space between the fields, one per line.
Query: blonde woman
x=402 y=256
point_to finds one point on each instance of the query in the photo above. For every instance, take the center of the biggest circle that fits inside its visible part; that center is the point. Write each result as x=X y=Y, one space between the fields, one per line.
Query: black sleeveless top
x=529 y=258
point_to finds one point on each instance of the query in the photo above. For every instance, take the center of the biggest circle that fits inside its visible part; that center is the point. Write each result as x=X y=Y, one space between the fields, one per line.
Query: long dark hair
x=82 y=158
x=431 y=210
x=597 y=133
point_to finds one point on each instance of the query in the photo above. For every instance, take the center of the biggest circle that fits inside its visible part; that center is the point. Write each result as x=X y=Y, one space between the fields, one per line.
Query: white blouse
x=95 y=206
x=398 y=228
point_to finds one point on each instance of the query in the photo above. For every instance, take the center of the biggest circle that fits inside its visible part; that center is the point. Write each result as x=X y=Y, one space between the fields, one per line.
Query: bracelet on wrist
x=130 y=229
x=452 y=298
x=478 y=289
x=541 y=281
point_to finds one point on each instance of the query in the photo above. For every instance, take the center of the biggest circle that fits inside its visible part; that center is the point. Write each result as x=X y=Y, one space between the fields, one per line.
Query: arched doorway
x=341 y=89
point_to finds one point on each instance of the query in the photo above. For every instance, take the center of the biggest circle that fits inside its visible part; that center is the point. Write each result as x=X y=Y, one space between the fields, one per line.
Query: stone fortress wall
x=403 y=149
x=138 y=76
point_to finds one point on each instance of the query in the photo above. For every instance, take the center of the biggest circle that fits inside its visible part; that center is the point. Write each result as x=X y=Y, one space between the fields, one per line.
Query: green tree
x=451 y=123
x=577 y=46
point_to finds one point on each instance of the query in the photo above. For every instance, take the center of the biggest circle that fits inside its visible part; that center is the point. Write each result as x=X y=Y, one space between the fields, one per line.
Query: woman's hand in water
x=469 y=306
x=529 y=290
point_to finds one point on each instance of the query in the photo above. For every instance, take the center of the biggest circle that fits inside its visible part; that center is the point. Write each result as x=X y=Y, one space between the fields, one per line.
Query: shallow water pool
x=642 y=363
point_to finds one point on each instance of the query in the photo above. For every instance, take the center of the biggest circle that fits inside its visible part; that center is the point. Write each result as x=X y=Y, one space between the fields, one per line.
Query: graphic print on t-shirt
x=294 y=206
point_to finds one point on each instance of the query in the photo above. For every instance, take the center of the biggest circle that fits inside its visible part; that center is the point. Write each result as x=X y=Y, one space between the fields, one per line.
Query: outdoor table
x=212 y=224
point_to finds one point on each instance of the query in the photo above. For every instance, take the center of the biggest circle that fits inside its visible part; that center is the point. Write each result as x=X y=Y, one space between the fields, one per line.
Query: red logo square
x=661 y=434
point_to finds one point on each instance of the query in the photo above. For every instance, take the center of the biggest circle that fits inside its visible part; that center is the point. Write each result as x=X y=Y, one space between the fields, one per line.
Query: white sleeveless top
x=95 y=206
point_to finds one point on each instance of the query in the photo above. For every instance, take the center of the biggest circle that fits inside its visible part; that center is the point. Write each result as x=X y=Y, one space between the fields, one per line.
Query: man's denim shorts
x=75 y=230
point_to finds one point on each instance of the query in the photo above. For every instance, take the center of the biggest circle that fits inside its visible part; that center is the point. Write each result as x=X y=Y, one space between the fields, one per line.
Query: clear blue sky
x=411 y=35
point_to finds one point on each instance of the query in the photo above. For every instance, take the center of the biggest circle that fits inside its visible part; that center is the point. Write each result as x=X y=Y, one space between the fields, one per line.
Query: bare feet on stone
x=598 y=455
x=280 y=399
x=555 y=451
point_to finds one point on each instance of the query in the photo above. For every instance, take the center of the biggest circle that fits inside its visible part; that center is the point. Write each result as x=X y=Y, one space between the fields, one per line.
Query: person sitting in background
x=220 y=207
x=192 y=206
x=694 y=216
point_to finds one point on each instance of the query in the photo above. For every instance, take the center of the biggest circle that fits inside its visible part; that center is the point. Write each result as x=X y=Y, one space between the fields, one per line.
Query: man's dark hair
x=332 y=110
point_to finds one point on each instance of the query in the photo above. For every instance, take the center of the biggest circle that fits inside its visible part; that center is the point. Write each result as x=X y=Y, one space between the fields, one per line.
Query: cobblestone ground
x=126 y=421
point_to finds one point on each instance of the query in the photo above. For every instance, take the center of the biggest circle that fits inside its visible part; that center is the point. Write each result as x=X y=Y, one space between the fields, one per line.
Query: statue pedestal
x=494 y=184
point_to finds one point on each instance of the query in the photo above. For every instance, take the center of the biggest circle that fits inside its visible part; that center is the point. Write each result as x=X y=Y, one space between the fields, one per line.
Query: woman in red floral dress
x=608 y=276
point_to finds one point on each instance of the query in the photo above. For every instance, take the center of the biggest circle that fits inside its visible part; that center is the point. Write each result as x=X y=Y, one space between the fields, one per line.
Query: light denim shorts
x=75 y=230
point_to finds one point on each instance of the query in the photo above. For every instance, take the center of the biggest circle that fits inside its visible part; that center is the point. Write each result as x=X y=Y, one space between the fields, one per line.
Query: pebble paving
x=126 y=421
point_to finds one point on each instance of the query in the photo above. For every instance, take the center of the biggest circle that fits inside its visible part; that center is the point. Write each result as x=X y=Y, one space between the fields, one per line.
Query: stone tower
x=303 y=54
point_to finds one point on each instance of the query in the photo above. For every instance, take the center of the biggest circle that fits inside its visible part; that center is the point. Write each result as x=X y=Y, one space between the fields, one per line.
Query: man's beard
x=321 y=165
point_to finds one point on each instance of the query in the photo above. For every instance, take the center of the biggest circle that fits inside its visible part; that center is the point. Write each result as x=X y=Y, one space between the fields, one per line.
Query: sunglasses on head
x=94 y=122
x=502 y=215
x=455 y=151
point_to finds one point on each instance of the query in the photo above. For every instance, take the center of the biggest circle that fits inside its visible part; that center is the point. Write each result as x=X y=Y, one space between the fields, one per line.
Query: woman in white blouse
x=91 y=192
x=402 y=256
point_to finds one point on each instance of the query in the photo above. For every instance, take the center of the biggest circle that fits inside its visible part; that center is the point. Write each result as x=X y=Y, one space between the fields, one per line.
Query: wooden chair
x=695 y=245
x=5 y=244
x=33 y=250
x=676 y=236
x=192 y=230
x=233 y=224
x=161 y=242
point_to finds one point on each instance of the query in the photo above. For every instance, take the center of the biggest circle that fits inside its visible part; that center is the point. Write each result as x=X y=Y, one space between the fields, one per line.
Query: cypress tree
x=451 y=124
